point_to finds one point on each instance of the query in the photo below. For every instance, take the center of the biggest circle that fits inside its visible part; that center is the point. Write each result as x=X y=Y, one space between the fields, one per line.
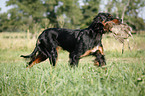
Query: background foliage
x=25 y=14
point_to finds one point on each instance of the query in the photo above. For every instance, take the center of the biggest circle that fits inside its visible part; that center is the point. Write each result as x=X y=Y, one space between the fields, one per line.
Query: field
x=125 y=74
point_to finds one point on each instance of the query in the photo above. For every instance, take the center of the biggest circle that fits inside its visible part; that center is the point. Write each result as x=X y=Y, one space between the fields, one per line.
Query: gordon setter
x=79 y=43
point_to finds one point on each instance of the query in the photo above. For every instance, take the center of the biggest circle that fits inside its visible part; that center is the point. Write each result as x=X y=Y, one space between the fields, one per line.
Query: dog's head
x=103 y=19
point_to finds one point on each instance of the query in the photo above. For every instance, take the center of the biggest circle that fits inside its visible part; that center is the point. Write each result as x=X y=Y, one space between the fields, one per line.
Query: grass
x=125 y=74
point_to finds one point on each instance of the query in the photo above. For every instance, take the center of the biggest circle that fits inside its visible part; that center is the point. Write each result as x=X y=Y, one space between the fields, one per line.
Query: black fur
x=76 y=42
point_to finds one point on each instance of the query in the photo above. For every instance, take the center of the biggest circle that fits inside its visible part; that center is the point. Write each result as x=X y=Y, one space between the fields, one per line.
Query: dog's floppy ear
x=97 y=22
x=100 y=17
x=96 y=27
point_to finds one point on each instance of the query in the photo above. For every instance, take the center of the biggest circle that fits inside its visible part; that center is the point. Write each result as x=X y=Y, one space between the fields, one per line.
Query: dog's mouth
x=109 y=24
x=115 y=21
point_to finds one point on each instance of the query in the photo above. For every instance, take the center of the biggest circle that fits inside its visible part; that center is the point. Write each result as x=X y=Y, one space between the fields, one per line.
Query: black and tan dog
x=78 y=43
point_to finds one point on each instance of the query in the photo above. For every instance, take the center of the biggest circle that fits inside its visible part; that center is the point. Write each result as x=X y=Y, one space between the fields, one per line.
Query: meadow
x=124 y=74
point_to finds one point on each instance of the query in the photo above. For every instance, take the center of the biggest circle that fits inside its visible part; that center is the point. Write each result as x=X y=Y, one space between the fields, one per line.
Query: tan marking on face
x=103 y=22
x=116 y=21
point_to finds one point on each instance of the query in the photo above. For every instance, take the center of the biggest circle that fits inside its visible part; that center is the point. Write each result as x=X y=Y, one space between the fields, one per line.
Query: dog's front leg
x=74 y=59
x=100 y=59
x=76 y=54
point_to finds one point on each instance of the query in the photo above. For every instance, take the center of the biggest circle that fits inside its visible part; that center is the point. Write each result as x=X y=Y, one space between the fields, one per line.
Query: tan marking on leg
x=102 y=64
x=101 y=50
x=37 y=60
x=86 y=53
x=96 y=63
x=90 y=51
x=103 y=22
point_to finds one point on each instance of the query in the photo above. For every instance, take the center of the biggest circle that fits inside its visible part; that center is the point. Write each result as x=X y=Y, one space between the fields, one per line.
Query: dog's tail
x=31 y=55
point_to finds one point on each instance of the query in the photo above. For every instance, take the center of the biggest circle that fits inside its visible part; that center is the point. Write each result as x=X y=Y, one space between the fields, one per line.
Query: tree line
x=37 y=14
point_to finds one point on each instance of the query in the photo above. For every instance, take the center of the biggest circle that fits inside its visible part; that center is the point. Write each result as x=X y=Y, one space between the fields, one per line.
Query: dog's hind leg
x=52 y=45
x=42 y=55
x=49 y=49
x=54 y=56
x=53 y=53
x=39 y=58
